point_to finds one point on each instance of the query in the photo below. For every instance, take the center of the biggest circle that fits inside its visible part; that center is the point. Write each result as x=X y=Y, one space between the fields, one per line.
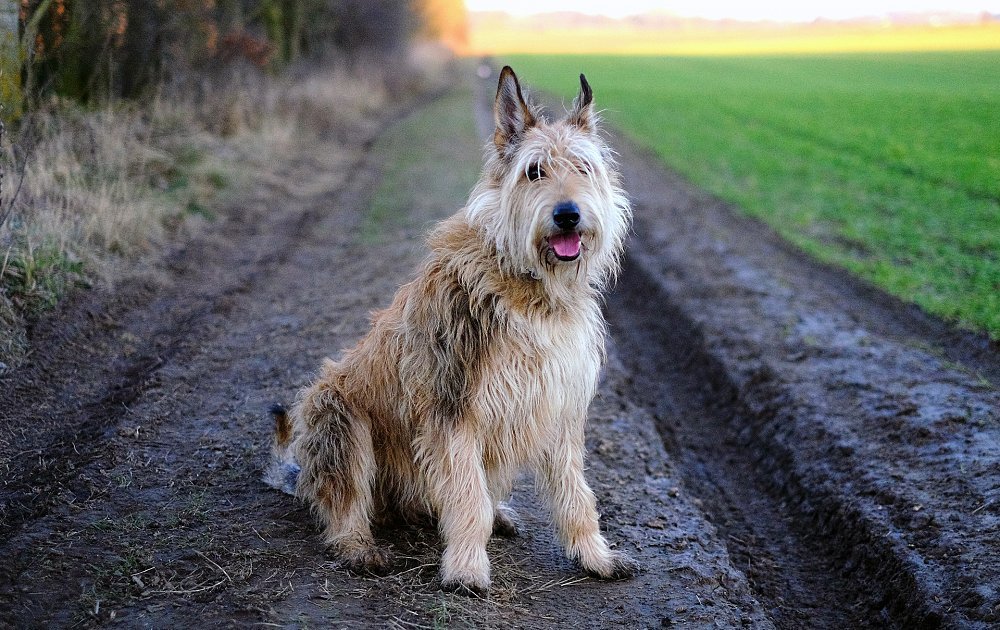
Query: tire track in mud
x=797 y=575
x=214 y=279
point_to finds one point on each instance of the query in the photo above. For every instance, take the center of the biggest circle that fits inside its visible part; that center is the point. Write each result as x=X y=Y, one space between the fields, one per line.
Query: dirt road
x=776 y=446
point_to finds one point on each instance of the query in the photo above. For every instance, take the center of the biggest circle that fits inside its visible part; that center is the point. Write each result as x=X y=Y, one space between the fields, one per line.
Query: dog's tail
x=283 y=473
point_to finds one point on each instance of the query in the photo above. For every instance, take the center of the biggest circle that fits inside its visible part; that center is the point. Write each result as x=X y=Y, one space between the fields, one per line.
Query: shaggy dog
x=483 y=365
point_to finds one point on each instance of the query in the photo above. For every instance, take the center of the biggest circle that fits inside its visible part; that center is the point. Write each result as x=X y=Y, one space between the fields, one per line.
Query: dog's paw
x=467 y=588
x=465 y=569
x=619 y=567
x=505 y=523
x=368 y=561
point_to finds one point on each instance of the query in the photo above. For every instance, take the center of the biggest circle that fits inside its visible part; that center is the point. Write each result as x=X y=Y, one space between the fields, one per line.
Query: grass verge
x=431 y=167
x=884 y=164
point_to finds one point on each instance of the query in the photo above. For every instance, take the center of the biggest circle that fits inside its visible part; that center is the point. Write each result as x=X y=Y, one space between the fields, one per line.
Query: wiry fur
x=483 y=365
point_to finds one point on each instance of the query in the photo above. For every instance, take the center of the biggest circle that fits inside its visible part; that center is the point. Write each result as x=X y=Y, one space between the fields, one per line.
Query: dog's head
x=550 y=195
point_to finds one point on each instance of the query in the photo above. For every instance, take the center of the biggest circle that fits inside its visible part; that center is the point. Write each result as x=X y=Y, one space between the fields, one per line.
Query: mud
x=775 y=445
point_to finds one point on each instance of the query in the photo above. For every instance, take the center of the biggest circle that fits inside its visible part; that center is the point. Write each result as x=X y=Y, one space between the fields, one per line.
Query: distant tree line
x=90 y=50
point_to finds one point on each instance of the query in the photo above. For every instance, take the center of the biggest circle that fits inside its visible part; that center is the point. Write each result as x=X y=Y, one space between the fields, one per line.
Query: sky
x=739 y=9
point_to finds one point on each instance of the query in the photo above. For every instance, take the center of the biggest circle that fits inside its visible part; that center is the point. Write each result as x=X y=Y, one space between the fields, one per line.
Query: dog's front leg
x=574 y=510
x=453 y=465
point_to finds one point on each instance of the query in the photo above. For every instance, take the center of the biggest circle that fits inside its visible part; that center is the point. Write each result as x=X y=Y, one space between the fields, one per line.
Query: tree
x=446 y=20
x=11 y=54
x=92 y=50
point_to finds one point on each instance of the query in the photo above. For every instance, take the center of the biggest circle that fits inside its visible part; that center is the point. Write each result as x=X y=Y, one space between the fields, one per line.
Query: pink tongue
x=565 y=245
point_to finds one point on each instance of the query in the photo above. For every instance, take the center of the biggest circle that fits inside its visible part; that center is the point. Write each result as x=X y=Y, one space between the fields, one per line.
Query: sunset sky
x=737 y=9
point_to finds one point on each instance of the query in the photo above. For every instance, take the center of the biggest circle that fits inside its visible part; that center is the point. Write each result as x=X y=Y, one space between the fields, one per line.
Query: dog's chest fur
x=542 y=373
x=525 y=352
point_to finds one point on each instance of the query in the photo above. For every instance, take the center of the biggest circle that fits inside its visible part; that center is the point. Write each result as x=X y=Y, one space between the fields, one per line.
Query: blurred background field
x=886 y=164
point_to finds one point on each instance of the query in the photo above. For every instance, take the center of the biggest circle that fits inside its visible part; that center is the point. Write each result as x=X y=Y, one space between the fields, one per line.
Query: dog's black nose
x=566 y=215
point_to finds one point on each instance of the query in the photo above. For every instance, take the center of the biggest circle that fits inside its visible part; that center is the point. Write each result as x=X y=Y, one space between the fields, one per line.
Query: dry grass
x=104 y=188
x=86 y=179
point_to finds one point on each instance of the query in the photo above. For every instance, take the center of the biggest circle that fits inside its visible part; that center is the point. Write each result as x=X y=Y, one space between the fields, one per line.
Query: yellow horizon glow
x=777 y=10
x=779 y=39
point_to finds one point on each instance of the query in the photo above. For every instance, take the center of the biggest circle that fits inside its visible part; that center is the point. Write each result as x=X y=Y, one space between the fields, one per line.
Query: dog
x=484 y=365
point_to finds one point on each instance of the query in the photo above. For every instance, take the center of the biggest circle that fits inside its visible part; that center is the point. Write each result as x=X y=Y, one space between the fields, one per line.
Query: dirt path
x=767 y=449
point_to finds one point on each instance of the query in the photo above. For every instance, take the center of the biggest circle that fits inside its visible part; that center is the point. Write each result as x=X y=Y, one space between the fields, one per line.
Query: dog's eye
x=535 y=172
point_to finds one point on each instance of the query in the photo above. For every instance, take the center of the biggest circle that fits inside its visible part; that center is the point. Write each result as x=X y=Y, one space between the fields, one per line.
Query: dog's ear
x=582 y=114
x=512 y=114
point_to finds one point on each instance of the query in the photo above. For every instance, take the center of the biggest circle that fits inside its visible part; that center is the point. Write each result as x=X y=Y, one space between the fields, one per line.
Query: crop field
x=885 y=164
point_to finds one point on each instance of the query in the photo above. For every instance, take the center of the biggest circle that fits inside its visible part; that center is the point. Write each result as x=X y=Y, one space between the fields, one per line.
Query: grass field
x=886 y=164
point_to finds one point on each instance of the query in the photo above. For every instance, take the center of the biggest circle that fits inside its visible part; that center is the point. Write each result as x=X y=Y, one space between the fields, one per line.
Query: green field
x=886 y=164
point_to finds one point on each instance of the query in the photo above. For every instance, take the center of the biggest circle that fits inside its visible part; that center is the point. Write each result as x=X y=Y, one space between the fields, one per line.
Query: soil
x=778 y=444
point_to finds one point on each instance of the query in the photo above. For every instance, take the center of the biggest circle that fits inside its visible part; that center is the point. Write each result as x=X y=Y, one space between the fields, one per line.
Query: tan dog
x=483 y=365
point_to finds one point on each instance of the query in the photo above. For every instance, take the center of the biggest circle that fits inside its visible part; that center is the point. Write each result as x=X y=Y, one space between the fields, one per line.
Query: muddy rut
x=777 y=444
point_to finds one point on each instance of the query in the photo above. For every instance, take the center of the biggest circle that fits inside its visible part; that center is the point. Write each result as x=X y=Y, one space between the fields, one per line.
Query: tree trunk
x=11 y=97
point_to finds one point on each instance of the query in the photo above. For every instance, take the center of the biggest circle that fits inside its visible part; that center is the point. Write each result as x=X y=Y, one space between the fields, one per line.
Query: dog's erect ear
x=582 y=114
x=512 y=115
